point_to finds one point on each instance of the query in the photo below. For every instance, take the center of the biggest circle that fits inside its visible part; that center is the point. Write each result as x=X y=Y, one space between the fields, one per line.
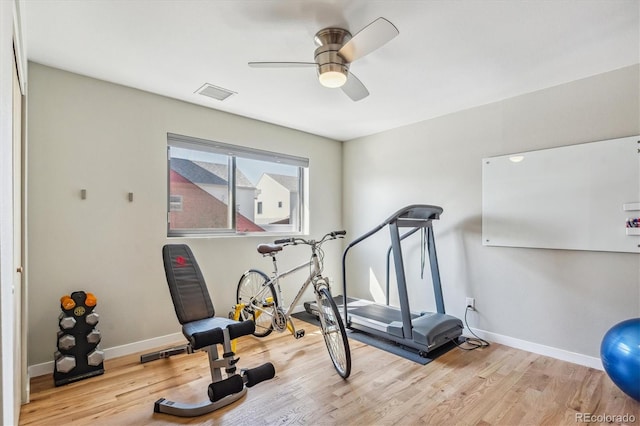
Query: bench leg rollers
x=253 y=376
x=226 y=387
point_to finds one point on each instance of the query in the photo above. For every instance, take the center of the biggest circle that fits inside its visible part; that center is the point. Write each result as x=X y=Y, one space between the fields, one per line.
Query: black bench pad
x=208 y=331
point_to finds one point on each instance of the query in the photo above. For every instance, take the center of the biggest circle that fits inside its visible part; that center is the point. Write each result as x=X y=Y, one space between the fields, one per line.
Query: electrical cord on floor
x=474 y=342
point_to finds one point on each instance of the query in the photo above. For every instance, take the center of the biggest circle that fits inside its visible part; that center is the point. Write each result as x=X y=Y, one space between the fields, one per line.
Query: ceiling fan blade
x=368 y=39
x=282 y=64
x=354 y=88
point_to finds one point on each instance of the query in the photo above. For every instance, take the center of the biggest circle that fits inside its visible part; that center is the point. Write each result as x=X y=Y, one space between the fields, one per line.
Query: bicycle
x=259 y=298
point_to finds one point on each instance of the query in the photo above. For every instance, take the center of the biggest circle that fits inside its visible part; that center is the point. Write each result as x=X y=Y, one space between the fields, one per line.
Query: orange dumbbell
x=67 y=302
x=91 y=300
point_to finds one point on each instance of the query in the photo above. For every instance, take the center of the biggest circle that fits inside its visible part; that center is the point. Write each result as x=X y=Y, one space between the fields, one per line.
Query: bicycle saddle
x=269 y=248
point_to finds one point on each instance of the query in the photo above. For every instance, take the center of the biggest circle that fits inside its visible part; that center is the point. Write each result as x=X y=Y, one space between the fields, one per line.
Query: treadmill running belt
x=382 y=313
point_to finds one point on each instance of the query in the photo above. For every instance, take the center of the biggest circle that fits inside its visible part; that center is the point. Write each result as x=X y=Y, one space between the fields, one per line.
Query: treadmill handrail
x=402 y=237
x=414 y=211
x=344 y=266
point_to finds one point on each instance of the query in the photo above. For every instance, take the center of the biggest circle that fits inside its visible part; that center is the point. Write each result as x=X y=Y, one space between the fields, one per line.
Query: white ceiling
x=449 y=56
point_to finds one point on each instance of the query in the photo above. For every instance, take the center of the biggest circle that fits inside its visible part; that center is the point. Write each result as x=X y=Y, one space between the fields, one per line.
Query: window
x=219 y=188
x=175 y=203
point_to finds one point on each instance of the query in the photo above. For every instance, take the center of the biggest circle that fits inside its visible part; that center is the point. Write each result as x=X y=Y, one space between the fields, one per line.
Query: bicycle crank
x=279 y=320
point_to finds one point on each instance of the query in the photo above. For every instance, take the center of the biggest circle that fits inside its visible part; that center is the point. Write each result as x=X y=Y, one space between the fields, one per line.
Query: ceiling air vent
x=214 y=92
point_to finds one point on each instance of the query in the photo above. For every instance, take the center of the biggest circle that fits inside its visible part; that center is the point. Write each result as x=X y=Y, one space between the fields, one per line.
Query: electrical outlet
x=471 y=303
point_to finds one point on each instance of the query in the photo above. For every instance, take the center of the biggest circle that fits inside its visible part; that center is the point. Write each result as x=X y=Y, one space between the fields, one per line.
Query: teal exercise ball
x=620 y=354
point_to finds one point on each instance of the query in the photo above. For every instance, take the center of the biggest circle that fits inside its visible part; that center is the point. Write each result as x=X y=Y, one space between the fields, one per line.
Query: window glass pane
x=268 y=195
x=200 y=180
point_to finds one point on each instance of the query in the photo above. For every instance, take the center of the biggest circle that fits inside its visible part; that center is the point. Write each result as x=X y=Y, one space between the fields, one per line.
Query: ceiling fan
x=337 y=49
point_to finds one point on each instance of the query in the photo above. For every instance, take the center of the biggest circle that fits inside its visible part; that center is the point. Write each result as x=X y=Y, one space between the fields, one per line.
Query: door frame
x=21 y=304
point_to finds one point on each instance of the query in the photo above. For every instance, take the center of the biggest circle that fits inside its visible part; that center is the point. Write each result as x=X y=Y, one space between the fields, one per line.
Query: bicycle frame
x=314 y=276
x=260 y=298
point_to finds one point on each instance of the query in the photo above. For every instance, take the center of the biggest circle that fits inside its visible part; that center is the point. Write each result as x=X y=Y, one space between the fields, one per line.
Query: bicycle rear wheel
x=259 y=299
x=334 y=333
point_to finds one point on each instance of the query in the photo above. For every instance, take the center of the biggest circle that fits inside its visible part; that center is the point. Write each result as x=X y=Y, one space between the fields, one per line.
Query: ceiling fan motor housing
x=329 y=41
x=336 y=50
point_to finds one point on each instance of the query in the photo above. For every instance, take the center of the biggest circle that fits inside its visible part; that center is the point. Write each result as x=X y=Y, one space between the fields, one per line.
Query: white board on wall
x=575 y=197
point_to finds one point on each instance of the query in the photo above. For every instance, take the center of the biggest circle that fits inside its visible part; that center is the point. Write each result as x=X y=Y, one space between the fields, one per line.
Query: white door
x=19 y=370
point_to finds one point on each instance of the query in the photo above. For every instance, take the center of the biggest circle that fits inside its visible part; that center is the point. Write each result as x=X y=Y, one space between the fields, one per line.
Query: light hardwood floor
x=495 y=385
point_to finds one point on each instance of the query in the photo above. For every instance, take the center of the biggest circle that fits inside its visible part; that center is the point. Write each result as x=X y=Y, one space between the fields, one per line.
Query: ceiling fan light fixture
x=332 y=79
x=336 y=50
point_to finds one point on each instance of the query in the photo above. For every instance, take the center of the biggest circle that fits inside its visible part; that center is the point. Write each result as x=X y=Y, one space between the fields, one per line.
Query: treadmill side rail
x=395 y=329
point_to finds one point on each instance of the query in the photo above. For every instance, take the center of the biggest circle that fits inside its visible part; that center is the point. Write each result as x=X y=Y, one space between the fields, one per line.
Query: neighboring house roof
x=289 y=182
x=222 y=171
x=243 y=224
x=194 y=173
x=203 y=172
x=285 y=221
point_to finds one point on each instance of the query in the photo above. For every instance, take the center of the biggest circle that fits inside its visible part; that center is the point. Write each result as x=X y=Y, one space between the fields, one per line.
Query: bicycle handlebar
x=297 y=240
x=283 y=241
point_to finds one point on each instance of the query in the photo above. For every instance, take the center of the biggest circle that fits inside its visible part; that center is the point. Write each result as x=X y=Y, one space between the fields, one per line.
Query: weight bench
x=204 y=331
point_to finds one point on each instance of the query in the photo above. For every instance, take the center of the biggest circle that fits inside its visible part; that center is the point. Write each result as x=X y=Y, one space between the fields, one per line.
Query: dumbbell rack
x=78 y=356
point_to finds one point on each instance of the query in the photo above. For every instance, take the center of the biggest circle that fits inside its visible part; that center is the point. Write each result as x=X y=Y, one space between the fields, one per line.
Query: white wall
x=111 y=140
x=562 y=299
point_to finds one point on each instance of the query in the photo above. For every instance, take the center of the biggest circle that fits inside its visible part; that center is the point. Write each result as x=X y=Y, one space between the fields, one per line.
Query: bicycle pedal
x=299 y=334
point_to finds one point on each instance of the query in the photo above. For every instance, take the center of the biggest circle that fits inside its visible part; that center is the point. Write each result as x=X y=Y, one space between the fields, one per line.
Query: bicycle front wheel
x=334 y=333
x=259 y=299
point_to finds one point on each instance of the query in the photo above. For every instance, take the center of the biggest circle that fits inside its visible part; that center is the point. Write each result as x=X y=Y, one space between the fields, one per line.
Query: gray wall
x=111 y=140
x=558 y=298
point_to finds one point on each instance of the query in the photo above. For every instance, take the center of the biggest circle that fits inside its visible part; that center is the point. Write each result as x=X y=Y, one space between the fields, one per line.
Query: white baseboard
x=117 y=351
x=175 y=338
x=536 y=348
x=128 y=349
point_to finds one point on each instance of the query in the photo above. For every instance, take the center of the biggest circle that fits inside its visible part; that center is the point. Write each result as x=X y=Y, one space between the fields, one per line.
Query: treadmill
x=420 y=331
